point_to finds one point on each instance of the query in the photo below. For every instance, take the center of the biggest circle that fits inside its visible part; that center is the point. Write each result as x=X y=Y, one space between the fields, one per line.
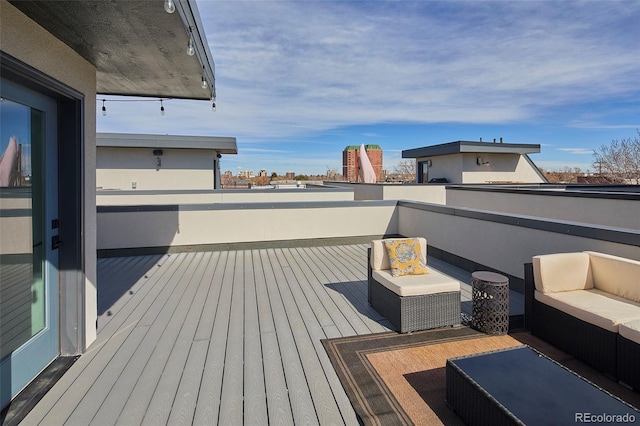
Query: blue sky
x=297 y=81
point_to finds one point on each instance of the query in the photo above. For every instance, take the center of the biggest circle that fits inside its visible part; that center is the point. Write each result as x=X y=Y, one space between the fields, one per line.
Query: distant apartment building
x=351 y=162
x=290 y=175
x=262 y=173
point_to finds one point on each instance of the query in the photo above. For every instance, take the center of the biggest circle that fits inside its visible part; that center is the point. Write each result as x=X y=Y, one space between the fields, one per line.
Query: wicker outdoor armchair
x=438 y=307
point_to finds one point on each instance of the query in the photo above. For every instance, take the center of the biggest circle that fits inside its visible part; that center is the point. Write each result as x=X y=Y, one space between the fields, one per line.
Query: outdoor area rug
x=394 y=379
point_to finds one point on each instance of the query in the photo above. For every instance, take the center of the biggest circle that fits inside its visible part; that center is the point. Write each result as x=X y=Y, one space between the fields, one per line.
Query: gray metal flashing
x=603 y=233
x=251 y=245
x=316 y=189
x=459 y=147
x=16 y=213
x=537 y=190
x=246 y=206
x=221 y=144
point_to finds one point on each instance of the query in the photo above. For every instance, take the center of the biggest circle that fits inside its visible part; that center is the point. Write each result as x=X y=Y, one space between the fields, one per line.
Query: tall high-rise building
x=351 y=162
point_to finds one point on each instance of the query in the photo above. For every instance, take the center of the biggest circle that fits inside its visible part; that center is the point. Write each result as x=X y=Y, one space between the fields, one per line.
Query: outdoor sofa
x=588 y=305
x=412 y=302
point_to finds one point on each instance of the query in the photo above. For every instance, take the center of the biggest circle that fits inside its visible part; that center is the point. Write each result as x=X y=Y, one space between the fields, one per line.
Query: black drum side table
x=490 y=293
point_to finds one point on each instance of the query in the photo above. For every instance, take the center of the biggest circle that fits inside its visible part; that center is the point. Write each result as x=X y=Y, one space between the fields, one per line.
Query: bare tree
x=406 y=170
x=619 y=161
x=332 y=174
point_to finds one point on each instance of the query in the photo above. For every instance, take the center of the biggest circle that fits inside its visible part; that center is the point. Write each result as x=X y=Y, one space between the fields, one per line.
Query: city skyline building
x=351 y=164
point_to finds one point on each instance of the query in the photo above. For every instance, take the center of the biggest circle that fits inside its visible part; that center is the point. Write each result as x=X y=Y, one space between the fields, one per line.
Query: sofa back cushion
x=380 y=258
x=616 y=275
x=562 y=272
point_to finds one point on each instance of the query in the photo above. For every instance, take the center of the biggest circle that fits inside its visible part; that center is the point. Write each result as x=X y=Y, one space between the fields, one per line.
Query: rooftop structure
x=476 y=162
x=160 y=162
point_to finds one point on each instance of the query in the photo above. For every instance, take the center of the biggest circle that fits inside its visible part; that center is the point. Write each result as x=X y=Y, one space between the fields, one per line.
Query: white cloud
x=287 y=68
x=579 y=151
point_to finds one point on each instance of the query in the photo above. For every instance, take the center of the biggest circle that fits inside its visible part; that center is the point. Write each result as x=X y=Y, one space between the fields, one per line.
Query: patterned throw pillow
x=405 y=257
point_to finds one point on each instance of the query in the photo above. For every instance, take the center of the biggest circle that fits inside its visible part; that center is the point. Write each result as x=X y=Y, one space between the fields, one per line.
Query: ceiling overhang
x=138 y=49
x=220 y=144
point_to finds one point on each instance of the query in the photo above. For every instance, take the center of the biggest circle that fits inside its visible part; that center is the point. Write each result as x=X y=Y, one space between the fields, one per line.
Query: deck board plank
x=183 y=318
x=208 y=404
x=354 y=285
x=232 y=382
x=184 y=405
x=317 y=332
x=136 y=407
x=341 y=283
x=336 y=319
x=300 y=398
x=117 y=398
x=277 y=395
x=255 y=399
x=308 y=333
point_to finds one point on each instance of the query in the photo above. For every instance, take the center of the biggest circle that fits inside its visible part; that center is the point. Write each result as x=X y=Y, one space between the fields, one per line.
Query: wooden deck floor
x=229 y=337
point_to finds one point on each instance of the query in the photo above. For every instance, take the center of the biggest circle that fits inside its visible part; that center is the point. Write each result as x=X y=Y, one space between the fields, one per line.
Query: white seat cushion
x=562 y=272
x=616 y=275
x=415 y=285
x=631 y=331
x=593 y=306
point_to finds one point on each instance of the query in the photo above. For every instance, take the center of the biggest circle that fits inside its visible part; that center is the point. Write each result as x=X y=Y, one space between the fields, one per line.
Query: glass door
x=29 y=321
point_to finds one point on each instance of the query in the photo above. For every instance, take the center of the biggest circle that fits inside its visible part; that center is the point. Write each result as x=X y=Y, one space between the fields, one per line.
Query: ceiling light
x=169 y=6
x=204 y=84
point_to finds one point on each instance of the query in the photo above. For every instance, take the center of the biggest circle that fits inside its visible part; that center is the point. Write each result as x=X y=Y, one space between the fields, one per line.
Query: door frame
x=71 y=199
x=42 y=347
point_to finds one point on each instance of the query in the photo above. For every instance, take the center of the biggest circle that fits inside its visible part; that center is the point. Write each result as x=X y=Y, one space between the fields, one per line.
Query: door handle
x=55 y=242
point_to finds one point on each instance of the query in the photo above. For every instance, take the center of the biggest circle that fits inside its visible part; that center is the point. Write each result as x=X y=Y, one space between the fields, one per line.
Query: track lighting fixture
x=169 y=6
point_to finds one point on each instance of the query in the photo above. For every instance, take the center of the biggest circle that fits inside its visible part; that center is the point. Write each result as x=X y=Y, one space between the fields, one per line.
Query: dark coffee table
x=521 y=386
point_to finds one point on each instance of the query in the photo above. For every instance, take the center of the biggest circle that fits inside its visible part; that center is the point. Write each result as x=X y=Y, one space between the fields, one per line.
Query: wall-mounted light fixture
x=158 y=154
x=481 y=162
x=428 y=162
x=104 y=109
